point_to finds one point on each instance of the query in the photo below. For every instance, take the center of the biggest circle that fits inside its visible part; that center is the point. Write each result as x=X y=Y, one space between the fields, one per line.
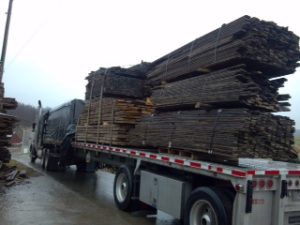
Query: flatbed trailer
x=257 y=191
x=197 y=192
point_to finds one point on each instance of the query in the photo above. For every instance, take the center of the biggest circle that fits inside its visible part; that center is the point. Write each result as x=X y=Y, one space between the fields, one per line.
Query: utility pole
x=4 y=46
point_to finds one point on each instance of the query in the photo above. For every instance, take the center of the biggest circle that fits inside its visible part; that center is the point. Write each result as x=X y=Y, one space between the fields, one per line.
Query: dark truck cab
x=54 y=132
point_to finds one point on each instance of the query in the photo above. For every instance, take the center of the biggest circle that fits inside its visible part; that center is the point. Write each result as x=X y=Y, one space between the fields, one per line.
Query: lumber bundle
x=106 y=133
x=224 y=134
x=108 y=120
x=237 y=67
x=264 y=46
x=234 y=87
x=9 y=103
x=117 y=81
x=115 y=101
x=6 y=124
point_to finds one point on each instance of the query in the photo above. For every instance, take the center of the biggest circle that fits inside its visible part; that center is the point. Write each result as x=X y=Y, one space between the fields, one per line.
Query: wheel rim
x=122 y=187
x=202 y=213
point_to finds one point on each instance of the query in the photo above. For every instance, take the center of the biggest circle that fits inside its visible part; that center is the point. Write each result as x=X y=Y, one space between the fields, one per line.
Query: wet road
x=68 y=198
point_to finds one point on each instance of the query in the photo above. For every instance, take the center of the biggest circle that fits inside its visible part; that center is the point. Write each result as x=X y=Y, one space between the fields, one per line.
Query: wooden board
x=117 y=81
x=230 y=87
x=262 y=45
x=229 y=133
x=108 y=120
x=7 y=123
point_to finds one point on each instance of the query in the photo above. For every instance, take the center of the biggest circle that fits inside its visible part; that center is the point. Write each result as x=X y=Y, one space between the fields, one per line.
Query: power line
x=27 y=42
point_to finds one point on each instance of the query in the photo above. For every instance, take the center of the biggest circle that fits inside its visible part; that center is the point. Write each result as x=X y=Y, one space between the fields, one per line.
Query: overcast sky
x=54 y=44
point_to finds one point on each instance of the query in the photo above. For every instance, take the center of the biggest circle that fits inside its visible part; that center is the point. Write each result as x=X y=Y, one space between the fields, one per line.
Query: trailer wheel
x=205 y=207
x=123 y=188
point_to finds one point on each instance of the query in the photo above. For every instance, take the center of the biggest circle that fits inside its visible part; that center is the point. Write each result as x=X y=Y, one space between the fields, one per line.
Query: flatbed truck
x=197 y=192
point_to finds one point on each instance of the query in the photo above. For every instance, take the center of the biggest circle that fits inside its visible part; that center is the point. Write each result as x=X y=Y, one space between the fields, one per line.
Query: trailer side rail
x=194 y=166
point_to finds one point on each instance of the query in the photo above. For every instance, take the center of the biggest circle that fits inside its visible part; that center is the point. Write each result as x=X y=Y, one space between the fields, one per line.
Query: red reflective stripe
x=238 y=173
x=143 y=154
x=133 y=152
x=209 y=167
x=219 y=170
x=195 y=165
x=179 y=161
x=272 y=172
x=294 y=172
x=164 y=158
x=153 y=156
x=124 y=150
x=117 y=149
x=110 y=148
x=251 y=172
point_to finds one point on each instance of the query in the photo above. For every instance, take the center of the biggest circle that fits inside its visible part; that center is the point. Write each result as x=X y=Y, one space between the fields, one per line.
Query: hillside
x=25 y=114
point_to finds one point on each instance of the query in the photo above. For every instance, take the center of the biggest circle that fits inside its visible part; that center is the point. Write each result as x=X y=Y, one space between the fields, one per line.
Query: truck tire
x=205 y=206
x=51 y=162
x=66 y=152
x=33 y=156
x=123 y=189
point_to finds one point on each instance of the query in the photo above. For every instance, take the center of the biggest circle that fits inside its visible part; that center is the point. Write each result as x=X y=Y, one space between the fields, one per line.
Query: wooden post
x=4 y=46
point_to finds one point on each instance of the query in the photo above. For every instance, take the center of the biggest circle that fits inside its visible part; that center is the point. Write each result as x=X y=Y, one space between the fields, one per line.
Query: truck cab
x=53 y=132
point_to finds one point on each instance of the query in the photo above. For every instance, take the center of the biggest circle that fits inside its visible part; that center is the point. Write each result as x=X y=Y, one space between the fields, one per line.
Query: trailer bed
x=246 y=168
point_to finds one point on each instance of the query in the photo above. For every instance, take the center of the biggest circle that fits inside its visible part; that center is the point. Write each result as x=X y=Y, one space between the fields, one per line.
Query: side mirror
x=33 y=127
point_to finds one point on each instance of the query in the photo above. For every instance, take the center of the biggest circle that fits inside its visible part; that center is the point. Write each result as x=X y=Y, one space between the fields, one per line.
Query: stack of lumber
x=117 y=81
x=264 y=46
x=6 y=124
x=225 y=85
x=233 y=86
x=112 y=134
x=222 y=134
x=115 y=101
x=108 y=120
x=238 y=68
x=126 y=111
x=9 y=103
